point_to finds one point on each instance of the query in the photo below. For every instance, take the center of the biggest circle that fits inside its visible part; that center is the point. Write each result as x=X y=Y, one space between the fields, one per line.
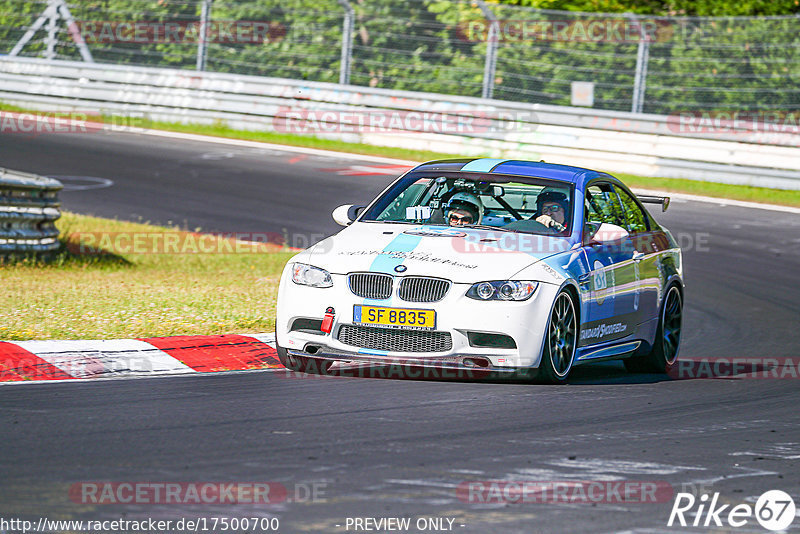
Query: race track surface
x=401 y=448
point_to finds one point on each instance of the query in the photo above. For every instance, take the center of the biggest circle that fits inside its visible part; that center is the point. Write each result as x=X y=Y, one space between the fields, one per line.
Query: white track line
x=380 y=159
x=719 y=201
x=88 y=359
x=282 y=148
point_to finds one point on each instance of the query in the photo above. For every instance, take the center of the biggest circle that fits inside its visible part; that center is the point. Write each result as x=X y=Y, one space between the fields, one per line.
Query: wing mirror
x=604 y=234
x=346 y=214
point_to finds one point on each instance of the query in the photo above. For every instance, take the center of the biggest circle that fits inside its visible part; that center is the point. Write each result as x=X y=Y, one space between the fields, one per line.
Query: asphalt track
x=400 y=448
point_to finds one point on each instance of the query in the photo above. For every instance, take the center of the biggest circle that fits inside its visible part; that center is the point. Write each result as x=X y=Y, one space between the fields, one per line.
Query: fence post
x=50 y=15
x=74 y=31
x=202 y=47
x=52 y=28
x=347 y=42
x=492 y=37
x=640 y=78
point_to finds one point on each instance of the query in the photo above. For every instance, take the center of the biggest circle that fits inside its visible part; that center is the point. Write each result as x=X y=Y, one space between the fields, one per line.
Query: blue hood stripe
x=385 y=263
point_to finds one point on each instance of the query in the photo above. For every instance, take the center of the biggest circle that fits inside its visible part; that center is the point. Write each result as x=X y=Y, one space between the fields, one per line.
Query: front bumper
x=358 y=364
x=457 y=315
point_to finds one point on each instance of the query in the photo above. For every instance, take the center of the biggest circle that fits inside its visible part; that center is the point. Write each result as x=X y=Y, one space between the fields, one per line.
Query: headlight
x=502 y=290
x=308 y=275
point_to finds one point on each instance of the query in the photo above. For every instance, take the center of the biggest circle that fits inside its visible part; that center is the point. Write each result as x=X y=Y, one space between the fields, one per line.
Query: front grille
x=371 y=285
x=422 y=289
x=369 y=337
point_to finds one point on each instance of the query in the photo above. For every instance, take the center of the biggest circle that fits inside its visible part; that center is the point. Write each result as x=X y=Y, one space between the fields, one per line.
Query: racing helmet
x=549 y=194
x=465 y=201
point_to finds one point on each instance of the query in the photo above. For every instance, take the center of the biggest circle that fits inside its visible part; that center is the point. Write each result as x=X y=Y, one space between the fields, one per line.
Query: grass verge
x=117 y=289
x=677 y=185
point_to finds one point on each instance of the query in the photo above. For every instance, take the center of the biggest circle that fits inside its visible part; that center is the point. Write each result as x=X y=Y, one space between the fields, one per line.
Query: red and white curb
x=67 y=360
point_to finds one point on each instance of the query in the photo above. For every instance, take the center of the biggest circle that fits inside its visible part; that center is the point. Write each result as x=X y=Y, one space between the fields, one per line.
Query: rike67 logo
x=774 y=510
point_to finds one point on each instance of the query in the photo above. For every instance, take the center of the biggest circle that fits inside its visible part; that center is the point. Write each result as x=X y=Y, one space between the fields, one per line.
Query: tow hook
x=327 y=321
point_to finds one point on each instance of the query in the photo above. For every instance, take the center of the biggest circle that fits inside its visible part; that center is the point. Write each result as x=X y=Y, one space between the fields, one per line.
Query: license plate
x=395 y=317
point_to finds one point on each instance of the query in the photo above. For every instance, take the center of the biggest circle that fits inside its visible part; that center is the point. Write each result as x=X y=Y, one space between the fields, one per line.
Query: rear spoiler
x=646 y=199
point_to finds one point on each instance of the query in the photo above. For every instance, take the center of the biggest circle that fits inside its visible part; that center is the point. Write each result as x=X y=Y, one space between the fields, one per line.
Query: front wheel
x=558 y=352
x=664 y=353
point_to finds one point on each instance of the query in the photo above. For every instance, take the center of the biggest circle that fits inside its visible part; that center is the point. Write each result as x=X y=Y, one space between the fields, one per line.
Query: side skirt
x=608 y=352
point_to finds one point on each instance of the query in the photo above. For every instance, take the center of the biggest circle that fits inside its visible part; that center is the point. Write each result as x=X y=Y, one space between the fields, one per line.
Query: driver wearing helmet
x=551 y=210
x=463 y=208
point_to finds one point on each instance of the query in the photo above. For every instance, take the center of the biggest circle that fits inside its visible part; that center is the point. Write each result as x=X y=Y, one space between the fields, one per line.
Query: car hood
x=458 y=254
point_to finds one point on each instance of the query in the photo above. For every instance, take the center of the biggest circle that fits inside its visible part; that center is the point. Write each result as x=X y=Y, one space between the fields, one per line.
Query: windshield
x=512 y=203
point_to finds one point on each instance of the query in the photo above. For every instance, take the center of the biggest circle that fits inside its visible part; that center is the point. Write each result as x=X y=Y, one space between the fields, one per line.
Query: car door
x=611 y=281
x=647 y=240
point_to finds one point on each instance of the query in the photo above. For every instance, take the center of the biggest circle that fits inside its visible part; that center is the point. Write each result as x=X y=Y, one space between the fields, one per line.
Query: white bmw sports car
x=505 y=266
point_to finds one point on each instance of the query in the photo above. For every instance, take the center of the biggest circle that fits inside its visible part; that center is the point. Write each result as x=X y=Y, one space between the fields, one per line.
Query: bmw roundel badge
x=401 y=268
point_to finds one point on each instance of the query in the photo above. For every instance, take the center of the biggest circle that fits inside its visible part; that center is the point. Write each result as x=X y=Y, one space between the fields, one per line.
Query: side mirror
x=346 y=214
x=604 y=234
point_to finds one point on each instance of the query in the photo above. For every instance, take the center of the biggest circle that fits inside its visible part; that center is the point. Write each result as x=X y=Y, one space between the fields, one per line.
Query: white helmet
x=465 y=201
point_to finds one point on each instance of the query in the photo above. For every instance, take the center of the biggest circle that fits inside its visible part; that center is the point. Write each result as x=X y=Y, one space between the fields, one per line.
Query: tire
x=558 y=352
x=664 y=354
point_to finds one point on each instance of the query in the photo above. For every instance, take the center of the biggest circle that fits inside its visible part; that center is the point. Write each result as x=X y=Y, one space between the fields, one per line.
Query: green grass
x=712 y=189
x=85 y=295
x=764 y=195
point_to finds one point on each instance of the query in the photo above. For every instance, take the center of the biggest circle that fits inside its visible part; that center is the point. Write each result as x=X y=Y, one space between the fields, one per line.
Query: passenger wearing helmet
x=463 y=208
x=551 y=209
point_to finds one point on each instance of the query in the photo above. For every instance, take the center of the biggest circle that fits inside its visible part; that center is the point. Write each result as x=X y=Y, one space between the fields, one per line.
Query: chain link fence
x=626 y=63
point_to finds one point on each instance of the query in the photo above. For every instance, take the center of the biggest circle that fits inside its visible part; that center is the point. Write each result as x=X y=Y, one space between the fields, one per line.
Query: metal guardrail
x=636 y=143
x=623 y=62
x=29 y=207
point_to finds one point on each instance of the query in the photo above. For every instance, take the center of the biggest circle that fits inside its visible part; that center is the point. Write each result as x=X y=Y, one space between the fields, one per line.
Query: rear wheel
x=667 y=343
x=558 y=353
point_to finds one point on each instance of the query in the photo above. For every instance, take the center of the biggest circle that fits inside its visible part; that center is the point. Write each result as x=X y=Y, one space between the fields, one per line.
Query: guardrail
x=650 y=145
x=29 y=207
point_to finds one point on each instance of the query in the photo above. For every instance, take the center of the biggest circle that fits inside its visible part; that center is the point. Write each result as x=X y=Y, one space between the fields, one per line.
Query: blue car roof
x=536 y=169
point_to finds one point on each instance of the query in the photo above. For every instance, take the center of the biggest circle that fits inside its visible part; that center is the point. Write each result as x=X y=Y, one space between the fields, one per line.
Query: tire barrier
x=29 y=207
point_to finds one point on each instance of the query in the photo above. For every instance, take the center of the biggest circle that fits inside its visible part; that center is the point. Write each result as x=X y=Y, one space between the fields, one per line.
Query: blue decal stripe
x=482 y=165
x=373 y=352
x=385 y=263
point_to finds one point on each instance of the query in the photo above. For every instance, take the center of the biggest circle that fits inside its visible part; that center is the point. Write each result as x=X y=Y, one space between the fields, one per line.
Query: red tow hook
x=327 y=322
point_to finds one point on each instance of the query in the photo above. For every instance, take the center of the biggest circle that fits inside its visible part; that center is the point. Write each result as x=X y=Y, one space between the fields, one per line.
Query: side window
x=602 y=205
x=635 y=218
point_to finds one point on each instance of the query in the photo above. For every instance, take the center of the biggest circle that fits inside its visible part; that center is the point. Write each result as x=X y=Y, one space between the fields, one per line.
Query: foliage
x=440 y=46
